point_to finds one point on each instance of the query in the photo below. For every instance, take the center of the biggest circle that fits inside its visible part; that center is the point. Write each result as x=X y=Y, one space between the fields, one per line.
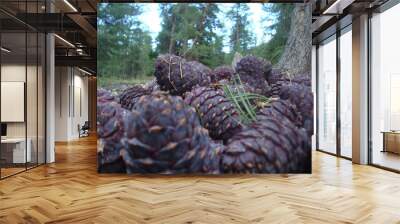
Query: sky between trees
x=151 y=20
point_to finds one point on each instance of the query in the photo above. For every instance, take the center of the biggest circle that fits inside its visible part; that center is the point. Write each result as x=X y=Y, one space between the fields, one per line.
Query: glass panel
x=41 y=99
x=13 y=86
x=31 y=88
x=346 y=94
x=327 y=96
x=31 y=98
x=23 y=90
x=314 y=86
x=385 y=89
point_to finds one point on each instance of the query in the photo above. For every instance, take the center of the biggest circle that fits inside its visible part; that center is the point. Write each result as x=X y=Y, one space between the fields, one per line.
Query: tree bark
x=296 y=57
x=171 y=40
x=237 y=29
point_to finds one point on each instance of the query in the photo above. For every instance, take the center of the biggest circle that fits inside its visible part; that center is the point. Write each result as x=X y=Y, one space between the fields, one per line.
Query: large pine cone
x=105 y=96
x=131 y=95
x=203 y=71
x=275 y=88
x=304 y=79
x=176 y=75
x=217 y=113
x=281 y=109
x=254 y=71
x=223 y=72
x=277 y=78
x=166 y=137
x=268 y=146
x=111 y=120
x=303 y=98
x=276 y=75
x=152 y=85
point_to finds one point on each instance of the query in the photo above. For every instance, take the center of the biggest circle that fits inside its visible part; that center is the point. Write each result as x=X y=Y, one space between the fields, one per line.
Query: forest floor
x=117 y=84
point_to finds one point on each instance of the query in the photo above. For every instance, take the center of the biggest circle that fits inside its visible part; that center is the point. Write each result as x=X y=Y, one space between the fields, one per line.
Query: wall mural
x=204 y=88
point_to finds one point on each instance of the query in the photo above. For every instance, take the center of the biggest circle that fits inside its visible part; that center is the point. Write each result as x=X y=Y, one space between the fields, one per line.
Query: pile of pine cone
x=183 y=122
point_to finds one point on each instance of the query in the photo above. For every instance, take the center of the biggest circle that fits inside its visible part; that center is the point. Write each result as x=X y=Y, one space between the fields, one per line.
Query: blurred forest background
x=127 y=51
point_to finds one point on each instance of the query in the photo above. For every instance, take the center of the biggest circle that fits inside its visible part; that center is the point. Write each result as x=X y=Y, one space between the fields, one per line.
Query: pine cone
x=131 y=95
x=275 y=76
x=254 y=71
x=217 y=113
x=105 y=96
x=222 y=73
x=110 y=131
x=176 y=75
x=268 y=146
x=166 y=137
x=303 y=98
x=152 y=85
x=203 y=71
x=304 y=79
x=275 y=88
x=281 y=109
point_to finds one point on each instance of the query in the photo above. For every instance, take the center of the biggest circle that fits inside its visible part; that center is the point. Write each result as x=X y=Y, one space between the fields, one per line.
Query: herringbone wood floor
x=70 y=191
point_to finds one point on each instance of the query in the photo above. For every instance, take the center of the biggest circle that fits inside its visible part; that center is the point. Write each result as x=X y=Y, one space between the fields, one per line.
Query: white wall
x=71 y=94
x=80 y=104
x=17 y=73
x=62 y=81
x=33 y=126
x=12 y=73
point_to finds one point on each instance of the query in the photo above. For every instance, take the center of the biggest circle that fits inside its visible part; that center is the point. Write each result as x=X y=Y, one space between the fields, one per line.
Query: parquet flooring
x=10 y=171
x=71 y=191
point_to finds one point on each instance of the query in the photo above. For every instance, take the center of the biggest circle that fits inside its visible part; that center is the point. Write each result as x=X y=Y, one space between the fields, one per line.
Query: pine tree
x=278 y=20
x=124 y=48
x=177 y=28
x=207 y=44
x=240 y=38
x=189 y=30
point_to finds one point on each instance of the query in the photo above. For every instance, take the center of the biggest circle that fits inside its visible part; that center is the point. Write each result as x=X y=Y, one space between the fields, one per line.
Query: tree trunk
x=171 y=39
x=237 y=30
x=296 y=57
x=200 y=29
x=200 y=24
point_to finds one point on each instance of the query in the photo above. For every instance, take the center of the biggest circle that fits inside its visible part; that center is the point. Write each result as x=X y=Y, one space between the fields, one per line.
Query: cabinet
x=391 y=142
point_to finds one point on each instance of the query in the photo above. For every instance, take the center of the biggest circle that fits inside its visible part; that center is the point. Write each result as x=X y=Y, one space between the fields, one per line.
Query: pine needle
x=246 y=103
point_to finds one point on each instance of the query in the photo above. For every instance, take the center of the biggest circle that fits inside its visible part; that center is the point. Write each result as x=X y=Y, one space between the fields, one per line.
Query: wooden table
x=391 y=141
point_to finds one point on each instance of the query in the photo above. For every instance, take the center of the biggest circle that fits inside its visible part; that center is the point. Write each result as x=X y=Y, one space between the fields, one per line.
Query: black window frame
x=381 y=9
x=30 y=29
x=334 y=34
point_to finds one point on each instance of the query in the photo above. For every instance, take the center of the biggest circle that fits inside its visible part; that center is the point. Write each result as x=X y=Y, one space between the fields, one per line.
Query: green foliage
x=178 y=27
x=124 y=49
x=279 y=15
x=193 y=30
x=115 y=81
x=189 y=30
x=240 y=38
